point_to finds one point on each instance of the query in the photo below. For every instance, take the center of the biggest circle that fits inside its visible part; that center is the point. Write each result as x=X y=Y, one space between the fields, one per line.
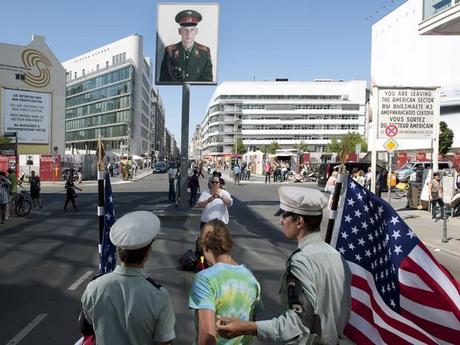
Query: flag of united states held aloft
x=108 y=252
x=400 y=293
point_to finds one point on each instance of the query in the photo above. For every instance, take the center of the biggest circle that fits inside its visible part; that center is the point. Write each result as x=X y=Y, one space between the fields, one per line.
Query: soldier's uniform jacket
x=324 y=281
x=124 y=307
x=181 y=65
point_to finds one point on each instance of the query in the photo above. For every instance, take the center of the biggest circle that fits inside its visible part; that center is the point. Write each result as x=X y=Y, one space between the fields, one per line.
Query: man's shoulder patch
x=171 y=47
x=202 y=47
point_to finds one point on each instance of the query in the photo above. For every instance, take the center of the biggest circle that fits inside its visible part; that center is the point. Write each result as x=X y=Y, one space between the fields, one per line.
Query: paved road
x=47 y=258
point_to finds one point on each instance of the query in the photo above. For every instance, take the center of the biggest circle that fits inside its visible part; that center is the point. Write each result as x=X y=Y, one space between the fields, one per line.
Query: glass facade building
x=100 y=106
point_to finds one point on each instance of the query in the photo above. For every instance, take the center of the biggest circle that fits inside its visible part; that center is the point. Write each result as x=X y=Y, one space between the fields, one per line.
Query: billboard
x=28 y=114
x=187 y=41
x=407 y=112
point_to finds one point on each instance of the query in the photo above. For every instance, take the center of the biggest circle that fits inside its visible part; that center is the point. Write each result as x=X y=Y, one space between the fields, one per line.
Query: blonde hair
x=216 y=238
x=334 y=173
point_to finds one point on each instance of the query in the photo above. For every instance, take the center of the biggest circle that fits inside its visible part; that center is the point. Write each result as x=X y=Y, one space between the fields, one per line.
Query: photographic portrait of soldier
x=188 y=59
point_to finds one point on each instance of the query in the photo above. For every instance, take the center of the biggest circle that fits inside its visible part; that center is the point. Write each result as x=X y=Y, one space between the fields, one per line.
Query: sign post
x=391 y=145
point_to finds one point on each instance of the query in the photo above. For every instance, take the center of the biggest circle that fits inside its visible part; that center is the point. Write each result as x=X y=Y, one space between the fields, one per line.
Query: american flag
x=108 y=252
x=400 y=293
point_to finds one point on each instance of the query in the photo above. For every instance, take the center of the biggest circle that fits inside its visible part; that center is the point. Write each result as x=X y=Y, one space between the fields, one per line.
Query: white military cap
x=135 y=230
x=298 y=200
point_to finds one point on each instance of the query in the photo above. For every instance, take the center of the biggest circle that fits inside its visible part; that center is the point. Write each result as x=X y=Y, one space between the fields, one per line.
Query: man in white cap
x=125 y=306
x=315 y=289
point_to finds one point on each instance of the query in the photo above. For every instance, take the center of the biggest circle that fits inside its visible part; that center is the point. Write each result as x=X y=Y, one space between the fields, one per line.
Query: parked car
x=403 y=174
x=160 y=168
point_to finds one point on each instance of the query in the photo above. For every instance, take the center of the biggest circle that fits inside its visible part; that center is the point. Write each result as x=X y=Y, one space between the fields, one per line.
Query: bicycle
x=23 y=206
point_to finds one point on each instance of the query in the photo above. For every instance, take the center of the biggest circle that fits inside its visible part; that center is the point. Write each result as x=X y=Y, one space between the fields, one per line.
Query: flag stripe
x=438 y=316
x=425 y=271
x=361 y=331
x=363 y=293
x=444 y=334
x=420 y=256
x=423 y=297
x=412 y=280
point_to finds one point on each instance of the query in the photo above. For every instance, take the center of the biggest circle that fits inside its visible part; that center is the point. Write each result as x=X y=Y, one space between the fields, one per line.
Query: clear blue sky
x=258 y=39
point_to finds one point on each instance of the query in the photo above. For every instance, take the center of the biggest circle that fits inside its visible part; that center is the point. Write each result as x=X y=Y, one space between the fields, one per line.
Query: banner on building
x=187 y=37
x=407 y=113
x=28 y=114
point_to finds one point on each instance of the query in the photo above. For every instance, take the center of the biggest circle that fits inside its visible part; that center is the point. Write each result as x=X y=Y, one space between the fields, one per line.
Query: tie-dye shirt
x=228 y=290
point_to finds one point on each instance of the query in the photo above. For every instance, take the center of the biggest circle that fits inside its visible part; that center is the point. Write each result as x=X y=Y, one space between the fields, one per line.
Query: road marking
x=80 y=280
x=26 y=330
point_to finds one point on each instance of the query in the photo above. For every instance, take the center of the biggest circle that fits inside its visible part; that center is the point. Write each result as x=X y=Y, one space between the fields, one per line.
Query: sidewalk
x=114 y=180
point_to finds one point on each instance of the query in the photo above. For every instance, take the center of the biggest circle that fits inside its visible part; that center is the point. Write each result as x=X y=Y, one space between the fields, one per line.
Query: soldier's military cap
x=188 y=18
x=303 y=201
x=135 y=230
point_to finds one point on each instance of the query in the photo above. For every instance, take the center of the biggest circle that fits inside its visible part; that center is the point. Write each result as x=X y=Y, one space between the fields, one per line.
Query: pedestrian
x=172 y=172
x=330 y=187
x=125 y=306
x=435 y=194
x=236 y=174
x=215 y=203
x=222 y=290
x=4 y=198
x=12 y=191
x=360 y=178
x=316 y=286
x=194 y=185
x=368 y=178
x=268 y=171
x=70 y=192
x=35 y=189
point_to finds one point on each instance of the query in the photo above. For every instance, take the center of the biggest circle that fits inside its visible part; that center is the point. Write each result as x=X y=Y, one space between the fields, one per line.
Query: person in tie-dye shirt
x=223 y=289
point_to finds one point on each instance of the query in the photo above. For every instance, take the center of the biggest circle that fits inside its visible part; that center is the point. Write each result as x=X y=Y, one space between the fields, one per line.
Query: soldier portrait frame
x=174 y=65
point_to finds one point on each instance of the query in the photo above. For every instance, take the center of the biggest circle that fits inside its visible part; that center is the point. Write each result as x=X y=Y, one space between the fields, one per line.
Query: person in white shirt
x=172 y=172
x=215 y=203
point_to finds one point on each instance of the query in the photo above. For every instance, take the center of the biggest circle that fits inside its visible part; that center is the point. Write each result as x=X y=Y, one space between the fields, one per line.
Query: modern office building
x=260 y=112
x=157 y=125
x=194 y=149
x=108 y=95
x=401 y=56
x=440 y=17
x=32 y=91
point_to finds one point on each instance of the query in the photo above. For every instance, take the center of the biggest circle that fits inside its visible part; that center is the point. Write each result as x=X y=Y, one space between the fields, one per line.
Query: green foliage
x=446 y=138
x=273 y=147
x=302 y=146
x=346 y=145
x=5 y=140
x=239 y=148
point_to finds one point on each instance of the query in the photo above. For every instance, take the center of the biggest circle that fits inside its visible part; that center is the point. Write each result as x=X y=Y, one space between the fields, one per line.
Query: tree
x=446 y=138
x=273 y=147
x=346 y=145
x=302 y=146
x=239 y=148
x=5 y=140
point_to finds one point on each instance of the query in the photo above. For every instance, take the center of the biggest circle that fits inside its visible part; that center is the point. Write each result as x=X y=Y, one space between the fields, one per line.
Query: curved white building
x=260 y=112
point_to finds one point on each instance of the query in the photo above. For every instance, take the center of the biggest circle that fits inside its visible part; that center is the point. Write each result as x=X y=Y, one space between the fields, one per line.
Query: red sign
x=391 y=130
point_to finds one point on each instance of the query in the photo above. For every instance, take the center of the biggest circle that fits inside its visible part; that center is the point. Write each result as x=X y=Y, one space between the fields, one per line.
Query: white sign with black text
x=411 y=111
x=28 y=114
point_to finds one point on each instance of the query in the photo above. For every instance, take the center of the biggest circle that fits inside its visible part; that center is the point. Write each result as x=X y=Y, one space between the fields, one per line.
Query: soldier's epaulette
x=171 y=47
x=202 y=47
x=151 y=281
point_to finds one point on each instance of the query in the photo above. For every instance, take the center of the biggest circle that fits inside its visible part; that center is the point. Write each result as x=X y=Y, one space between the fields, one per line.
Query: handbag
x=188 y=261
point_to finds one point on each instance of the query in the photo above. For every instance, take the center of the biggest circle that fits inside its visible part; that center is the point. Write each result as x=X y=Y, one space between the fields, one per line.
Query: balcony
x=440 y=17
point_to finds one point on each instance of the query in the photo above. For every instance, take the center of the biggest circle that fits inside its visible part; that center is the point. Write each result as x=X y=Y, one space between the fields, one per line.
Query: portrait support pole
x=335 y=203
x=100 y=189
x=184 y=145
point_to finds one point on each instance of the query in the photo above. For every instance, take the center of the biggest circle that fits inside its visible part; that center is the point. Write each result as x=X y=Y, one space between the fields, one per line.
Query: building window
x=106 y=64
x=83 y=71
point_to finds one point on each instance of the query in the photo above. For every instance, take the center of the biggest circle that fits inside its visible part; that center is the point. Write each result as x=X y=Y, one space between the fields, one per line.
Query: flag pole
x=100 y=188
x=335 y=202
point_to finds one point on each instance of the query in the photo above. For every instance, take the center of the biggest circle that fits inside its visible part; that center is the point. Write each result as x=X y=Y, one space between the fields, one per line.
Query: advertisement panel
x=407 y=113
x=28 y=114
x=187 y=40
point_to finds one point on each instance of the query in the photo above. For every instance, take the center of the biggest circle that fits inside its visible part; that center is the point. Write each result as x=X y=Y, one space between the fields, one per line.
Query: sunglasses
x=213 y=182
